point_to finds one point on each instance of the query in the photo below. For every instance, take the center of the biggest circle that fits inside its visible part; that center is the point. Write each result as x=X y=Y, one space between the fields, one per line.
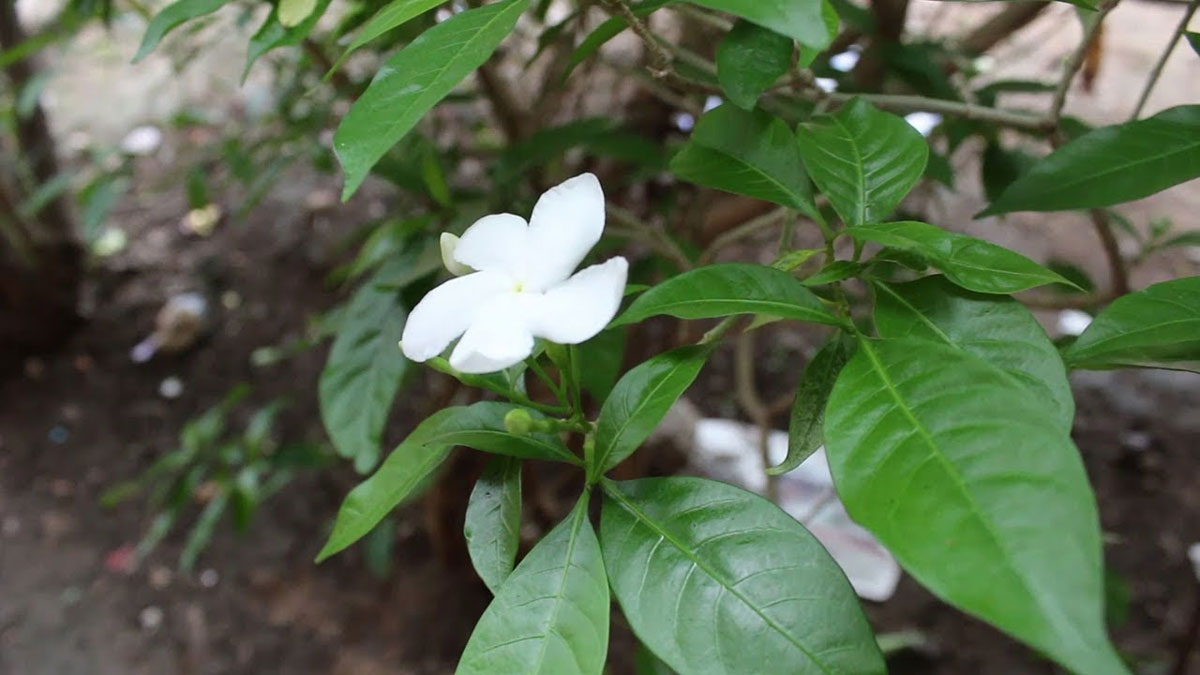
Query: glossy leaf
x=717 y=580
x=600 y=362
x=802 y=20
x=481 y=426
x=493 y=521
x=749 y=59
x=275 y=33
x=863 y=159
x=551 y=616
x=416 y=79
x=639 y=402
x=975 y=488
x=363 y=373
x=997 y=329
x=402 y=474
x=974 y=264
x=807 y=422
x=392 y=15
x=1157 y=326
x=747 y=153
x=292 y=12
x=1193 y=39
x=170 y=18
x=1111 y=165
x=730 y=288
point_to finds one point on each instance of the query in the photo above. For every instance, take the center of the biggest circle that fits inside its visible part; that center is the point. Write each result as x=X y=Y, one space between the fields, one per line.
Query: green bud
x=518 y=421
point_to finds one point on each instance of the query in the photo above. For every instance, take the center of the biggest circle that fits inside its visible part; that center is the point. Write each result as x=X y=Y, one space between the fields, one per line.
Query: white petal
x=446 y=311
x=575 y=310
x=566 y=223
x=448 y=242
x=498 y=338
x=495 y=244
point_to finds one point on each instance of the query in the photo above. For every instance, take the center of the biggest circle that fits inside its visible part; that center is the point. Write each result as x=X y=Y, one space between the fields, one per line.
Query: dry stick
x=1013 y=18
x=970 y=111
x=1073 y=64
x=1162 y=59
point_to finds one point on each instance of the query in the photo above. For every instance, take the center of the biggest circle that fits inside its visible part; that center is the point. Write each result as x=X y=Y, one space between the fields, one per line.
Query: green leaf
x=802 y=20
x=481 y=426
x=493 y=521
x=749 y=59
x=600 y=361
x=805 y=428
x=640 y=401
x=714 y=579
x=202 y=531
x=402 y=474
x=838 y=270
x=863 y=159
x=607 y=31
x=1157 y=326
x=551 y=616
x=416 y=79
x=975 y=488
x=600 y=136
x=363 y=373
x=170 y=17
x=730 y=288
x=748 y=153
x=1000 y=167
x=997 y=329
x=974 y=264
x=274 y=33
x=1193 y=39
x=1110 y=165
x=395 y=13
x=292 y=12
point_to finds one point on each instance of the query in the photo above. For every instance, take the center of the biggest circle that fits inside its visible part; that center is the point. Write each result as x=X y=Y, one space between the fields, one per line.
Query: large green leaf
x=997 y=329
x=749 y=59
x=805 y=21
x=1157 y=326
x=395 y=13
x=275 y=33
x=718 y=580
x=863 y=159
x=551 y=615
x=749 y=153
x=976 y=489
x=363 y=373
x=730 y=288
x=414 y=80
x=600 y=361
x=806 y=426
x=640 y=401
x=170 y=17
x=1111 y=165
x=974 y=264
x=493 y=521
x=403 y=473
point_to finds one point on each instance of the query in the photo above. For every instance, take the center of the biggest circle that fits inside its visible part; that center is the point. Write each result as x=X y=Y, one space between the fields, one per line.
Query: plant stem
x=1162 y=59
x=970 y=111
x=649 y=235
x=746 y=229
x=1073 y=64
x=752 y=404
x=1112 y=250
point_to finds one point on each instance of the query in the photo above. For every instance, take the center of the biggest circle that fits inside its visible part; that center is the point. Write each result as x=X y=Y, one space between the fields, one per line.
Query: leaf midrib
x=576 y=526
x=602 y=459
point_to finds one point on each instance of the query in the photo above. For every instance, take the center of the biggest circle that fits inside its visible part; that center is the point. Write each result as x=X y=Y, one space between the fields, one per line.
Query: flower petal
x=495 y=244
x=566 y=223
x=448 y=242
x=575 y=310
x=498 y=338
x=448 y=310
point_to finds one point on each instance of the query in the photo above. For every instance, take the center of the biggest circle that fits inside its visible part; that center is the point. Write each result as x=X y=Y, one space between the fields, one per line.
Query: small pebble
x=209 y=578
x=59 y=434
x=1137 y=440
x=170 y=388
x=151 y=618
x=160 y=577
x=143 y=140
x=231 y=300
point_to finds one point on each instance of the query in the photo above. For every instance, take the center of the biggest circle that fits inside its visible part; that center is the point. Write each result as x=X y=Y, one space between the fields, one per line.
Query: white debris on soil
x=151 y=618
x=170 y=388
x=209 y=578
x=727 y=450
x=143 y=140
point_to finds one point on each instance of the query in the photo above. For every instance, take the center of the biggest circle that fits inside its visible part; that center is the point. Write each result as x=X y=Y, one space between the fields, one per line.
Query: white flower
x=519 y=284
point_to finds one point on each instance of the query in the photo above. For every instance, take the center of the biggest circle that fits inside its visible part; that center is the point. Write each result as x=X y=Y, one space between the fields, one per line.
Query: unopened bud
x=518 y=421
x=448 y=242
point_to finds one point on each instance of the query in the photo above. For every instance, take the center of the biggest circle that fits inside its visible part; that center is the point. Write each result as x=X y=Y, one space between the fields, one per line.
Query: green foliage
x=393 y=14
x=416 y=79
x=955 y=466
x=277 y=32
x=863 y=159
x=1111 y=165
x=493 y=521
x=170 y=18
x=805 y=21
x=807 y=420
x=1155 y=327
x=714 y=579
x=551 y=616
x=749 y=60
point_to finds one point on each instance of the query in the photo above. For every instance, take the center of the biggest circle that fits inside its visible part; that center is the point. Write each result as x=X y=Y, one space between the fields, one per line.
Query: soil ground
x=73 y=423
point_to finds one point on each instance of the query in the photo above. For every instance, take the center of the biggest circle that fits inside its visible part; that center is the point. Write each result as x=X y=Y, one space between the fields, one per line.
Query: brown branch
x=508 y=111
x=1074 y=62
x=1112 y=250
x=995 y=30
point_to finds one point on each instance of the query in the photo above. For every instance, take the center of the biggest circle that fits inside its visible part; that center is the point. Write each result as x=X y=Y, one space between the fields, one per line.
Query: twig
x=1162 y=59
x=647 y=234
x=746 y=229
x=1013 y=18
x=970 y=111
x=509 y=113
x=720 y=23
x=1073 y=64
x=340 y=81
x=660 y=60
x=1112 y=250
x=752 y=404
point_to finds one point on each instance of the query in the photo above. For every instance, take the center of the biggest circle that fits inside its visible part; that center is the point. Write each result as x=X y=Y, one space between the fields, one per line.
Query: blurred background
x=175 y=257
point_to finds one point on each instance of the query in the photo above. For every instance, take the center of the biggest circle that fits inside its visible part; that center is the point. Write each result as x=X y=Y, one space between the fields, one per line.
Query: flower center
x=518 y=287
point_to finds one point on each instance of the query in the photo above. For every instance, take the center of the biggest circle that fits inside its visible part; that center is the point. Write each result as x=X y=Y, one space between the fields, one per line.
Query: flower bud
x=448 y=242
x=518 y=422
